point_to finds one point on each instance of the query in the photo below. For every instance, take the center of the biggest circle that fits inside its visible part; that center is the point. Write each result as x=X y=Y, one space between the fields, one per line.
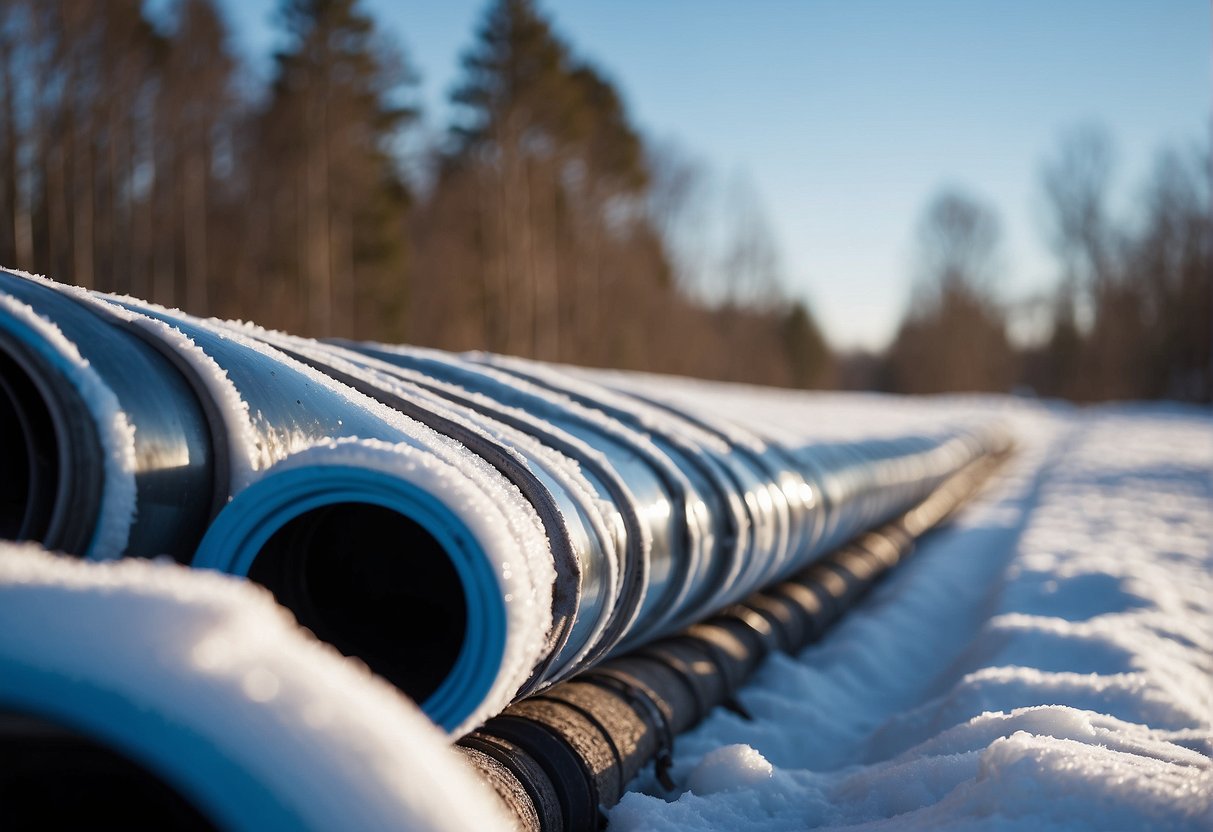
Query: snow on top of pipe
x=518 y=444
x=114 y=430
x=282 y=443
x=531 y=569
x=797 y=416
x=514 y=542
x=558 y=403
x=583 y=449
x=199 y=665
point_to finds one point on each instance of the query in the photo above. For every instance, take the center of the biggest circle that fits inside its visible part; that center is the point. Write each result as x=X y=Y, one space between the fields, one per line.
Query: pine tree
x=542 y=149
x=197 y=112
x=331 y=180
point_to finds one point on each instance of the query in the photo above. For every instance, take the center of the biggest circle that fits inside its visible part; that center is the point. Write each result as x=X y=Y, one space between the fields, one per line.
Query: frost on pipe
x=267 y=408
x=762 y=509
x=586 y=532
x=669 y=513
x=242 y=722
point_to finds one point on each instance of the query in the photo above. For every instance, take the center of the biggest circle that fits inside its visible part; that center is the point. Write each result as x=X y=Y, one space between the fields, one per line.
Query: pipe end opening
x=52 y=777
x=30 y=483
x=373 y=583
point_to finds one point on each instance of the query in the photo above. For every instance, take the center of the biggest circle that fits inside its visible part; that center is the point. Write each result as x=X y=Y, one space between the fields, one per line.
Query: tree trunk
x=194 y=214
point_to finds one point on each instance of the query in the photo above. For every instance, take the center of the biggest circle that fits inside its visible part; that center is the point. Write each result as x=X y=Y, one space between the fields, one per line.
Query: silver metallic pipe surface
x=861 y=483
x=476 y=528
x=744 y=528
x=756 y=519
x=626 y=502
x=673 y=534
x=558 y=759
x=96 y=422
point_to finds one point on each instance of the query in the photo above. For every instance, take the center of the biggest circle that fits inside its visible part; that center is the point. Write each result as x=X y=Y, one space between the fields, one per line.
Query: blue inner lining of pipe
x=246 y=524
x=144 y=729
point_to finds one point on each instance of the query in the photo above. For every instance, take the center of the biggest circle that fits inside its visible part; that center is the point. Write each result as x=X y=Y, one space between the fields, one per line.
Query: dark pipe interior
x=30 y=453
x=374 y=584
x=54 y=778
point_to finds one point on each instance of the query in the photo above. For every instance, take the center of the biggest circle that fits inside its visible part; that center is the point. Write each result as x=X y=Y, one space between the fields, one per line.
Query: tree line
x=137 y=157
x=1131 y=316
x=138 y=154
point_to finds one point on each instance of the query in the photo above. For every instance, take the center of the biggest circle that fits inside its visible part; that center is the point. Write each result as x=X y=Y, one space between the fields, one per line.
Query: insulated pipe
x=759 y=521
x=670 y=534
x=852 y=509
x=395 y=558
x=829 y=492
x=141 y=694
x=107 y=450
x=749 y=513
x=584 y=532
x=557 y=760
x=866 y=481
x=546 y=520
x=501 y=397
x=304 y=455
x=333 y=472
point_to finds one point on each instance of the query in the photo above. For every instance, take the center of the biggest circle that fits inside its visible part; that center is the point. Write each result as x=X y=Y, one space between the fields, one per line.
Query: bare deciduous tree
x=954 y=335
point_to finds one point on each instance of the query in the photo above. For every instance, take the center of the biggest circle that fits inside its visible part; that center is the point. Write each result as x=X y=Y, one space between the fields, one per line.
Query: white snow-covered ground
x=1044 y=663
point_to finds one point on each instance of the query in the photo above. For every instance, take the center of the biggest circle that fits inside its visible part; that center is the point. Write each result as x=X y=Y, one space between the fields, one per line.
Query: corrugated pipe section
x=475 y=528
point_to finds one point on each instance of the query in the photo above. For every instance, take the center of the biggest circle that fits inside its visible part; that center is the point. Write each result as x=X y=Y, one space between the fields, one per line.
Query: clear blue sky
x=847 y=115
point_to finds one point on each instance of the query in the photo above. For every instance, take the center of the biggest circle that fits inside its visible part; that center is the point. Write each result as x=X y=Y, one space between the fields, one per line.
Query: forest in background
x=137 y=156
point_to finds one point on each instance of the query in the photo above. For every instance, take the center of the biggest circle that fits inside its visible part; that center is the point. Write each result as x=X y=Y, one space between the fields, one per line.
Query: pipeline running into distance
x=558 y=759
x=475 y=528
